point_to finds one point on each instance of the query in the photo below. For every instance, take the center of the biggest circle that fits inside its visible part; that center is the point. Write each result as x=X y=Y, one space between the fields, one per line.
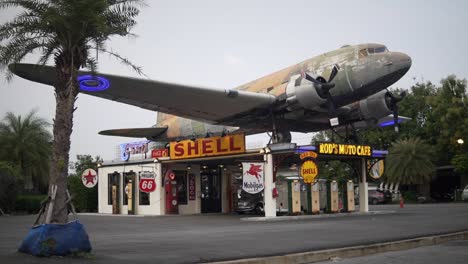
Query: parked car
x=251 y=203
x=379 y=197
x=465 y=194
x=442 y=197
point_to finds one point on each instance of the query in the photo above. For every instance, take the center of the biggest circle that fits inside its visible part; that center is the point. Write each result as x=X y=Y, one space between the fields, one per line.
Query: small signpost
x=147 y=182
x=89 y=178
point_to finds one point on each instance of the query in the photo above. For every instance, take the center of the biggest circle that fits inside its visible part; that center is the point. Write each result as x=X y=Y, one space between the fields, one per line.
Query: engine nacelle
x=302 y=94
x=375 y=106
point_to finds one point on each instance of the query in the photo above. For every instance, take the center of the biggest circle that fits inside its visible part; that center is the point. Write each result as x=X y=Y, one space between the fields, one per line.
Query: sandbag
x=56 y=240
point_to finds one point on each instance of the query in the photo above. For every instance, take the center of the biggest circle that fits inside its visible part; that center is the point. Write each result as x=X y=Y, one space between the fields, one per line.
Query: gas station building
x=205 y=175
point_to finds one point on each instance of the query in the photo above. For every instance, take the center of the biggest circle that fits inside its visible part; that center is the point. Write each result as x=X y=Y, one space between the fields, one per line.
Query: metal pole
x=270 y=202
x=363 y=189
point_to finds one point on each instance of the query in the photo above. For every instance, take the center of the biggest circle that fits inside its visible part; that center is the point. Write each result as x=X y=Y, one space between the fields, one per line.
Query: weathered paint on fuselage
x=359 y=76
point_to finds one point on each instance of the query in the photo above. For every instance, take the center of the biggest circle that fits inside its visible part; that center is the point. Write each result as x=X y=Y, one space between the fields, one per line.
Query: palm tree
x=26 y=143
x=72 y=32
x=409 y=161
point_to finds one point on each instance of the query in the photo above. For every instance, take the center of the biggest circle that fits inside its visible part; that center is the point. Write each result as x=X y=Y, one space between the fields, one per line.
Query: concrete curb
x=306 y=217
x=355 y=251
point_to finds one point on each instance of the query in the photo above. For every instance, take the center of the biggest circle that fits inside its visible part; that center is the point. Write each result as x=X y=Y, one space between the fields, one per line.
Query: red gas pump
x=172 y=205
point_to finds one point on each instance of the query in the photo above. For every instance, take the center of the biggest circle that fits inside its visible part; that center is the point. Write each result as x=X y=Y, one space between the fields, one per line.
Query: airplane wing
x=198 y=103
x=147 y=132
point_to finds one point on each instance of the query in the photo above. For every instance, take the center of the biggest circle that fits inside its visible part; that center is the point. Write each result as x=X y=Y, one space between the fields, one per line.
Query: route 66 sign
x=147 y=182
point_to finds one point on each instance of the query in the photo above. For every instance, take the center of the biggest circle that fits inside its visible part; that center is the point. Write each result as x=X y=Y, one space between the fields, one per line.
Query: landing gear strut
x=281 y=137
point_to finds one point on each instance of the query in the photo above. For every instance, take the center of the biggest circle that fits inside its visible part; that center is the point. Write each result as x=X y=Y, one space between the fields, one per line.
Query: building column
x=363 y=190
x=160 y=192
x=270 y=202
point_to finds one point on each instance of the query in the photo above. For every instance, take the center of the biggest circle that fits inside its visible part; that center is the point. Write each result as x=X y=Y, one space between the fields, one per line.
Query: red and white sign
x=191 y=186
x=171 y=175
x=89 y=178
x=159 y=153
x=252 y=177
x=147 y=182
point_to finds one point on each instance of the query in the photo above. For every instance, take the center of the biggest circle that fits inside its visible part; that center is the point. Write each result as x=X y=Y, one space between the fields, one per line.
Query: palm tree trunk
x=65 y=94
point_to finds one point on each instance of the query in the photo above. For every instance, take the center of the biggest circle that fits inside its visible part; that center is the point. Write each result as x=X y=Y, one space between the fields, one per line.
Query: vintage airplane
x=342 y=87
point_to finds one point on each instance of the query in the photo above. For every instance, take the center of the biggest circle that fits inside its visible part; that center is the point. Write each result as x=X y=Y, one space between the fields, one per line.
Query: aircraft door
x=170 y=184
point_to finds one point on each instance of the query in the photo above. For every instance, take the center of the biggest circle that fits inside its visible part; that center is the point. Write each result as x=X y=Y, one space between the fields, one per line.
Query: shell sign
x=309 y=171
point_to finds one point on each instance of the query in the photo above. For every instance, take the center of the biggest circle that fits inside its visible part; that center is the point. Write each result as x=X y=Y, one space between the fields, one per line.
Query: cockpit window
x=381 y=49
x=366 y=52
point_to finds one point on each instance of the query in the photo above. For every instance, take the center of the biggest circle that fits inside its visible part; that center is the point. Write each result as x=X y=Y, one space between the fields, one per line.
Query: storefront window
x=181 y=178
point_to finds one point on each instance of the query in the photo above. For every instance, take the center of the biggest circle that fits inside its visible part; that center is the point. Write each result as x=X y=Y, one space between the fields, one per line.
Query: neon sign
x=344 y=149
x=128 y=149
x=92 y=83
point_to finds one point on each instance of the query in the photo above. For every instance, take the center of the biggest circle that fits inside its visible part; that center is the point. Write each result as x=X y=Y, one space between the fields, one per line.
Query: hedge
x=84 y=199
x=29 y=203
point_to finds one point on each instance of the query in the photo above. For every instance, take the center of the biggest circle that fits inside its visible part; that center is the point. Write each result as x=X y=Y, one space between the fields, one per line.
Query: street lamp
x=460 y=141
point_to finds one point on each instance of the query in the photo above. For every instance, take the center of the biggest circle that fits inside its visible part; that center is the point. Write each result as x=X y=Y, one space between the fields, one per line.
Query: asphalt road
x=203 y=238
x=453 y=252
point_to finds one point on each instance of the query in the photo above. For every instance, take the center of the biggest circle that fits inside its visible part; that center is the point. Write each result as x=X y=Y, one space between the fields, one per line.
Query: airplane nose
x=401 y=61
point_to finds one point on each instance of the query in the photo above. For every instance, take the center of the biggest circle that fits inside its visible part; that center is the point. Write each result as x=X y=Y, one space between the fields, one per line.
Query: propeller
x=323 y=89
x=394 y=99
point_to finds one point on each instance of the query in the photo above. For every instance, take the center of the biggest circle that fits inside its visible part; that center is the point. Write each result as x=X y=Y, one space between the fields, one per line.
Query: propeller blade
x=312 y=79
x=333 y=73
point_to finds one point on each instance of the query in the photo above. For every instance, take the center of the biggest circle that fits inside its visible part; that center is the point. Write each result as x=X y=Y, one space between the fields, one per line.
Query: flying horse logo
x=255 y=170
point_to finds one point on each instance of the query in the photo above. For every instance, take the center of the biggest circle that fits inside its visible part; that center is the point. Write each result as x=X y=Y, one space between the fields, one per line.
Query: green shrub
x=29 y=203
x=8 y=192
x=84 y=199
x=409 y=196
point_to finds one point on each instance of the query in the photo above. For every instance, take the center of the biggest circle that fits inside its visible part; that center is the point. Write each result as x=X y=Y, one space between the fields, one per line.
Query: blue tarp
x=56 y=240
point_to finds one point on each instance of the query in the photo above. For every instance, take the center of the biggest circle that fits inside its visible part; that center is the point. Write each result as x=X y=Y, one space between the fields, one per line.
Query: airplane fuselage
x=364 y=70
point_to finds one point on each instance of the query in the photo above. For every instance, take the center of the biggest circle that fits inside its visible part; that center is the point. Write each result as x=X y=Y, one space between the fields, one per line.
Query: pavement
x=208 y=238
x=453 y=252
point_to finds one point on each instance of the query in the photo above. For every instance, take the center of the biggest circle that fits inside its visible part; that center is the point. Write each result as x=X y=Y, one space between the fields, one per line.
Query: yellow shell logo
x=309 y=171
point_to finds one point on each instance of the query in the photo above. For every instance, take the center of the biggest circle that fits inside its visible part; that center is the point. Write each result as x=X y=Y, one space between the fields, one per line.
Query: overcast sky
x=224 y=44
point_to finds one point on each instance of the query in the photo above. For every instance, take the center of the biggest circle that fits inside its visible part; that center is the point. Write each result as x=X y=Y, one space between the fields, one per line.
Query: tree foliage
x=439 y=115
x=85 y=199
x=9 y=186
x=72 y=33
x=409 y=161
x=26 y=143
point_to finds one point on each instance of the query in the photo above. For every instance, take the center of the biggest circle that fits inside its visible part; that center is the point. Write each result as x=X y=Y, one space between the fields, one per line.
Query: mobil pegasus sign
x=252 y=177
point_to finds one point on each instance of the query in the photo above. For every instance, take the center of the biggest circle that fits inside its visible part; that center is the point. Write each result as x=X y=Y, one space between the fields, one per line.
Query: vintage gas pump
x=349 y=205
x=294 y=193
x=115 y=185
x=332 y=196
x=129 y=189
x=170 y=184
x=315 y=198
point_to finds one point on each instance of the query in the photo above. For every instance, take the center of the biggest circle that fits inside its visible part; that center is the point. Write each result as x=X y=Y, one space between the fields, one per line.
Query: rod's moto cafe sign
x=344 y=149
x=206 y=147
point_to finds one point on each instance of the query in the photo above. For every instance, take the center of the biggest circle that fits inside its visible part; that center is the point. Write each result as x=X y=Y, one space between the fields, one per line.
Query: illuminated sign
x=344 y=149
x=93 y=83
x=159 y=153
x=308 y=154
x=205 y=147
x=128 y=149
x=376 y=170
x=309 y=171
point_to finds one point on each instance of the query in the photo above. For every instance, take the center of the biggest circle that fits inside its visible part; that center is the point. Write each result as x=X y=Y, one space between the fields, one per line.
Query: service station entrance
x=211 y=175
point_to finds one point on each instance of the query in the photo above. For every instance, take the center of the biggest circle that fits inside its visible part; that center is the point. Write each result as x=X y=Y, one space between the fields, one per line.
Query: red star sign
x=89 y=178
